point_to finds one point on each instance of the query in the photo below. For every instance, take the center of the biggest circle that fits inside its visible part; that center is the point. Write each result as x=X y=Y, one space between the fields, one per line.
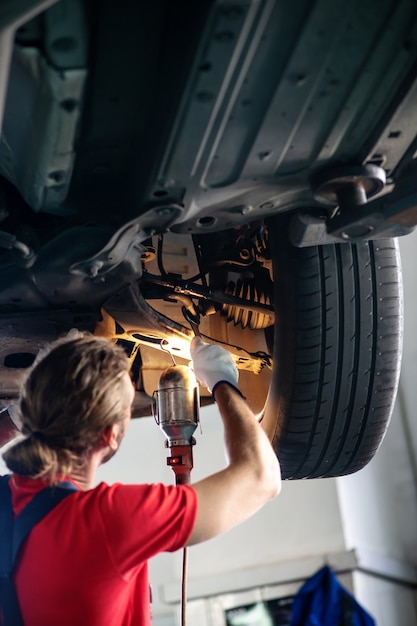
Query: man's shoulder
x=146 y=490
x=153 y=497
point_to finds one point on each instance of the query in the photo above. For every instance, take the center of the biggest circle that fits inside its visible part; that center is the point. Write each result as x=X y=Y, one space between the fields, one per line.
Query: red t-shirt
x=85 y=563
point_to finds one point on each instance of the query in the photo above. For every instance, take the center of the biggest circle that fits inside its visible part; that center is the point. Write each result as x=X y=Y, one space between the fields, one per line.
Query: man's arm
x=252 y=476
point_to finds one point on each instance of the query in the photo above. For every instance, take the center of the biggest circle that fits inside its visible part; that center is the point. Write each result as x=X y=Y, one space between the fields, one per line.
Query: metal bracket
x=130 y=235
x=392 y=214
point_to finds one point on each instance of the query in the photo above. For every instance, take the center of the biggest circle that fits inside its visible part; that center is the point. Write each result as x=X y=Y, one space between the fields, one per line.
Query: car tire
x=337 y=353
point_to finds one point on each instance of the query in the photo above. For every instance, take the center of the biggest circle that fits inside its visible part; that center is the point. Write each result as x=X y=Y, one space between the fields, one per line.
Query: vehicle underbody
x=244 y=165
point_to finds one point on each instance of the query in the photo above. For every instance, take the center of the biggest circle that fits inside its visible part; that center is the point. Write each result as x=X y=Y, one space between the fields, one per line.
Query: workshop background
x=364 y=526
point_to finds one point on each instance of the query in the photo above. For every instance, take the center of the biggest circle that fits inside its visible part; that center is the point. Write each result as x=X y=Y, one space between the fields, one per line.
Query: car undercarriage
x=243 y=165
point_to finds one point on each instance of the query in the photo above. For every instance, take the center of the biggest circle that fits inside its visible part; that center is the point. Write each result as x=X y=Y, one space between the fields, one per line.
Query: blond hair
x=72 y=394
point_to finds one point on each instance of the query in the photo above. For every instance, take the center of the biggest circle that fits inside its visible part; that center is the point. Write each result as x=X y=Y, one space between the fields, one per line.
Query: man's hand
x=212 y=364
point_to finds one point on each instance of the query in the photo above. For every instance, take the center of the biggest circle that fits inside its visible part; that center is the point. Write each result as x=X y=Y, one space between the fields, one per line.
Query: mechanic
x=85 y=562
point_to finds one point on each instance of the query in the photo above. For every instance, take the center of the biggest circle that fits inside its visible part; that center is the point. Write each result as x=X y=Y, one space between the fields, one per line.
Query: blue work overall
x=14 y=531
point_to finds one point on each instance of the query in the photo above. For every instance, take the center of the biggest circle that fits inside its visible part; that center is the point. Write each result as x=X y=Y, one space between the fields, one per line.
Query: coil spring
x=247 y=289
x=261 y=244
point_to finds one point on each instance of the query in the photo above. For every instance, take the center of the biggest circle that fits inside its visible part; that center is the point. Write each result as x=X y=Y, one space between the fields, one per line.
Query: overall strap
x=14 y=532
x=6 y=527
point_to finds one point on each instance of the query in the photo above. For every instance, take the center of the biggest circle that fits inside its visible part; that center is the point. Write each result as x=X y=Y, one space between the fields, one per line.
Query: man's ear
x=110 y=437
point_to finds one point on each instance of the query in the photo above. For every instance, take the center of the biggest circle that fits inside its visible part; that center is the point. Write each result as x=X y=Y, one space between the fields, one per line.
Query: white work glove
x=213 y=364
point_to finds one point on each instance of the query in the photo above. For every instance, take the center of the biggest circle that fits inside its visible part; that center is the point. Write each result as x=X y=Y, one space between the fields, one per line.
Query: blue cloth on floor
x=323 y=601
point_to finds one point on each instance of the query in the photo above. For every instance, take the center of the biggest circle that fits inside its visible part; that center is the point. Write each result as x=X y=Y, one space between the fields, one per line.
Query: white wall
x=379 y=504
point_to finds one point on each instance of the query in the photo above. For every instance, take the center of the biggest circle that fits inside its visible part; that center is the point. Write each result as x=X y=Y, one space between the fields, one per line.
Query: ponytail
x=33 y=457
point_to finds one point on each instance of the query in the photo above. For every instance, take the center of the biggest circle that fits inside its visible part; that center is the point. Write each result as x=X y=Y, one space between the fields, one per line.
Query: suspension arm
x=175 y=285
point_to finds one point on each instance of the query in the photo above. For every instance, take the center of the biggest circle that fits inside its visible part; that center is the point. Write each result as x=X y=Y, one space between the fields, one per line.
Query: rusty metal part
x=348 y=186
